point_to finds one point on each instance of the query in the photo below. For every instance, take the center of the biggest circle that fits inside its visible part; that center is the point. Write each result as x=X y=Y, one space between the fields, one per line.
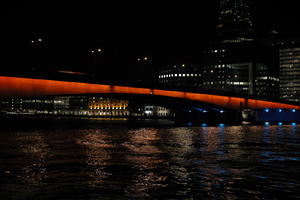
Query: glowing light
x=294 y=124
x=221 y=111
x=205 y=111
x=40 y=39
x=293 y=110
x=267 y=110
x=280 y=123
x=267 y=123
x=189 y=124
x=204 y=125
x=280 y=110
x=222 y=125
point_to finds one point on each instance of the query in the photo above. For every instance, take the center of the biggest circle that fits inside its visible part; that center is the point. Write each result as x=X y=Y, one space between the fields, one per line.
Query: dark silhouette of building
x=235 y=22
x=236 y=62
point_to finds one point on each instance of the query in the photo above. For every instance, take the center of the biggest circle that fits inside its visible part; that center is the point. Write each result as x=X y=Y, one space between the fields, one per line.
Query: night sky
x=124 y=31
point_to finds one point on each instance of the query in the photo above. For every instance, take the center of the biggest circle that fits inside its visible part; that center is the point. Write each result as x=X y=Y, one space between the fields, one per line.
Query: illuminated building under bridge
x=90 y=106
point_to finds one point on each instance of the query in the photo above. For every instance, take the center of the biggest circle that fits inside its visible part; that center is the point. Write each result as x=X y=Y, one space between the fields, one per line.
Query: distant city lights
x=96 y=50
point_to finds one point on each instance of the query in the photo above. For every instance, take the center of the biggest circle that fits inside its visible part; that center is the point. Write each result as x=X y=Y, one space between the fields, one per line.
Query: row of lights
x=279 y=110
x=206 y=125
x=280 y=124
x=178 y=75
x=223 y=125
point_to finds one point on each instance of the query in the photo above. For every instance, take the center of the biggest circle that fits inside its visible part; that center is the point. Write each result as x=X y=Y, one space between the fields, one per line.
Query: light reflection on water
x=249 y=162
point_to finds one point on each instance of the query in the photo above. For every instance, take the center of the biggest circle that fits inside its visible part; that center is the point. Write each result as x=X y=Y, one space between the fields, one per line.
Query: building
x=289 y=54
x=235 y=23
x=180 y=76
x=235 y=63
x=81 y=106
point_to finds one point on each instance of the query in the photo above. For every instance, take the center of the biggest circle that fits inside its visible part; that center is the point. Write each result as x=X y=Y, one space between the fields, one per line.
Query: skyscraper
x=290 y=69
x=235 y=63
x=235 y=21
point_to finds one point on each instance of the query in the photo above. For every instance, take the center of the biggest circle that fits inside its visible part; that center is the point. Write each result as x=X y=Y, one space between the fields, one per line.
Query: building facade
x=81 y=106
x=289 y=74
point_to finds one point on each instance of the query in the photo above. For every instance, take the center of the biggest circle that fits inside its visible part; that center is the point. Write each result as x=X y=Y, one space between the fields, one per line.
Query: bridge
x=30 y=87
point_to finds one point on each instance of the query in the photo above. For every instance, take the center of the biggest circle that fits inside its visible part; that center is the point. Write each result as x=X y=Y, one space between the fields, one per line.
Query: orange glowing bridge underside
x=27 y=87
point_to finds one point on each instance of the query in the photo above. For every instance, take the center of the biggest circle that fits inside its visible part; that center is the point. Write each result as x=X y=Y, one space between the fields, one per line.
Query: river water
x=121 y=162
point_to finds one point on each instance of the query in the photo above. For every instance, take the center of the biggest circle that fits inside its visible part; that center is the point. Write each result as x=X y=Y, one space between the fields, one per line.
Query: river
x=153 y=162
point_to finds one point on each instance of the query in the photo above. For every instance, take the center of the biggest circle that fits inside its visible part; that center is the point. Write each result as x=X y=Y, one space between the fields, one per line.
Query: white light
x=40 y=40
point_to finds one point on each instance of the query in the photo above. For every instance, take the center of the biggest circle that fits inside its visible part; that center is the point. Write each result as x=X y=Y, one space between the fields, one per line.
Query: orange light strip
x=27 y=87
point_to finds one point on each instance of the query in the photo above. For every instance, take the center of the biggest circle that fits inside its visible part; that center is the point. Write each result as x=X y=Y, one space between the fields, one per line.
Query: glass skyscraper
x=235 y=22
x=290 y=70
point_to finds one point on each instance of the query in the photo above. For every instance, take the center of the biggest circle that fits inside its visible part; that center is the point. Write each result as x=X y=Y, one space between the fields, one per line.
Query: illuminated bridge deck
x=28 y=87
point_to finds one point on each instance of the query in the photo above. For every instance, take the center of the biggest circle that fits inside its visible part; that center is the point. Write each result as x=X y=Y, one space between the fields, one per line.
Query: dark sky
x=123 y=30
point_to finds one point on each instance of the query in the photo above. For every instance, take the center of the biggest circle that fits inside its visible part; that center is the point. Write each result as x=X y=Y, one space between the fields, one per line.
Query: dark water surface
x=119 y=162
